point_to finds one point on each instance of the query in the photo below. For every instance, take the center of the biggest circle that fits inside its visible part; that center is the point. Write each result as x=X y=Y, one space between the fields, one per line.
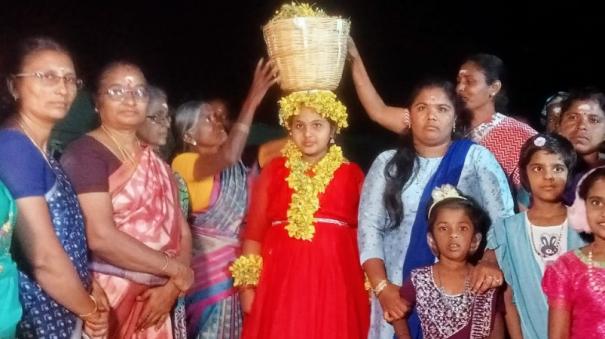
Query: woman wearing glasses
x=154 y=130
x=55 y=288
x=133 y=219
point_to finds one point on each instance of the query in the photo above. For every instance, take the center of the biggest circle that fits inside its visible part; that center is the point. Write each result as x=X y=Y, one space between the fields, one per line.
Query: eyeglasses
x=160 y=119
x=118 y=93
x=52 y=79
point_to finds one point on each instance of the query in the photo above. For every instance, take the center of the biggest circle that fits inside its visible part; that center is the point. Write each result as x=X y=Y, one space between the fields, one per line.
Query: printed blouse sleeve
x=495 y=191
x=372 y=214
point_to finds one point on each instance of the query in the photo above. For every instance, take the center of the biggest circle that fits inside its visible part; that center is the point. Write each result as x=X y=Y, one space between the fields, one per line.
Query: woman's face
x=154 y=130
x=46 y=86
x=472 y=87
x=222 y=112
x=311 y=133
x=123 y=97
x=583 y=124
x=209 y=130
x=432 y=117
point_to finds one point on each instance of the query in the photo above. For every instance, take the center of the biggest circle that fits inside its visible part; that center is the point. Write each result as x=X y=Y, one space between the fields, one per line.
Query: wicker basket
x=310 y=52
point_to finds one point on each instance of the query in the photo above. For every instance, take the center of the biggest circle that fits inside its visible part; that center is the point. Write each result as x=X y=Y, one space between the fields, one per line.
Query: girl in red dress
x=299 y=273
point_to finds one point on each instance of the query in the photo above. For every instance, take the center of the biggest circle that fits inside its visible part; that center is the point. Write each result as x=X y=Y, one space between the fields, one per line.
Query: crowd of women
x=110 y=241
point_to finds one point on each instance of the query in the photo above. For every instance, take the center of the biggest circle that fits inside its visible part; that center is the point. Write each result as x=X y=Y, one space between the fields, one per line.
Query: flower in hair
x=444 y=192
x=539 y=141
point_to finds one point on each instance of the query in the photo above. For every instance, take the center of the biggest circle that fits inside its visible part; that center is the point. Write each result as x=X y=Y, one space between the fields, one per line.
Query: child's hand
x=246 y=297
x=391 y=303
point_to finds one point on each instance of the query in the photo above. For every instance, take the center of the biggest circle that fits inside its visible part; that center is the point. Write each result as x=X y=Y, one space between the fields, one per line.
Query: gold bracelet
x=380 y=287
x=240 y=126
x=96 y=308
x=163 y=269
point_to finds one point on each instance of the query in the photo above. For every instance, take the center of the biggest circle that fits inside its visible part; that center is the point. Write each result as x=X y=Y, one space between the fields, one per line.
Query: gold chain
x=125 y=155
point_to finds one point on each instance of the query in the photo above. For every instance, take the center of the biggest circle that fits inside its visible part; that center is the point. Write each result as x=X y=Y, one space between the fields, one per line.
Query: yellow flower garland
x=246 y=270
x=306 y=188
x=294 y=9
x=325 y=103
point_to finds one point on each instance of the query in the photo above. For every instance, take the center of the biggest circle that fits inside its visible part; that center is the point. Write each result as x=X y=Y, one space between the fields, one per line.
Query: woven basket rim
x=333 y=18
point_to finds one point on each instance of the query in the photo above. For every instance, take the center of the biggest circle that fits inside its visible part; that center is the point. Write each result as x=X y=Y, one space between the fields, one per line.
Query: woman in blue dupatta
x=392 y=218
x=218 y=186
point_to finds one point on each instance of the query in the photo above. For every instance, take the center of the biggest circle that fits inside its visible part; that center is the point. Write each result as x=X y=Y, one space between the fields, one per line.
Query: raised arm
x=210 y=164
x=389 y=117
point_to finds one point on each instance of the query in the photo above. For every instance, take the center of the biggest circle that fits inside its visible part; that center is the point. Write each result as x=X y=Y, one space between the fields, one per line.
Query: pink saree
x=146 y=207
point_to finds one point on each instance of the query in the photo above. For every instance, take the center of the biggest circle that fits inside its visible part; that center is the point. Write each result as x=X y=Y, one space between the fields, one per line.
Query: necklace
x=591 y=276
x=306 y=188
x=28 y=135
x=125 y=155
x=554 y=246
x=450 y=300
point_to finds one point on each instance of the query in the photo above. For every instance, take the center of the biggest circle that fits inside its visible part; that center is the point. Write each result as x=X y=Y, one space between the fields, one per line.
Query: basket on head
x=309 y=52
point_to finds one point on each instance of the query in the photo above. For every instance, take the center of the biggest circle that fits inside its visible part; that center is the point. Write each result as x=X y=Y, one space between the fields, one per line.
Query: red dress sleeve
x=258 y=216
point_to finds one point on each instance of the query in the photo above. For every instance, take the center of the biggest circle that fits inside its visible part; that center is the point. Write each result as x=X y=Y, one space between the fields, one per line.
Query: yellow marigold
x=246 y=270
x=324 y=102
x=307 y=182
x=294 y=9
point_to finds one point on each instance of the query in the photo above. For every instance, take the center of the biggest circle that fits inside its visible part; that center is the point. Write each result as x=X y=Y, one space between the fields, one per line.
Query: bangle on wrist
x=240 y=126
x=382 y=284
x=94 y=310
x=166 y=261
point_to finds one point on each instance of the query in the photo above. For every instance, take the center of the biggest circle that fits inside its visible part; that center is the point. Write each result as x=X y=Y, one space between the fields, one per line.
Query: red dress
x=308 y=289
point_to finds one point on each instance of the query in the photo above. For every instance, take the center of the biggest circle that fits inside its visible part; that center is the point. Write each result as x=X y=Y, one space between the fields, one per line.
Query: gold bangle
x=240 y=126
x=166 y=261
x=380 y=287
x=95 y=309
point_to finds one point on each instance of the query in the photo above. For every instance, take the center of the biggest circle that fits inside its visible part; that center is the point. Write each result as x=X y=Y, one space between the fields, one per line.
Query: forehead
x=306 y=114
x=47 y=60
x=432 y=95
x=158 y=106
x=124 y=75
x=585 y=107
x=543 y=156
x=470 y=70
x=452 y=214
x=597 y=188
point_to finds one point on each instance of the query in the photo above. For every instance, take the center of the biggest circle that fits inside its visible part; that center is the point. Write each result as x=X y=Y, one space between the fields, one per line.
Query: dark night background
x=209 y=48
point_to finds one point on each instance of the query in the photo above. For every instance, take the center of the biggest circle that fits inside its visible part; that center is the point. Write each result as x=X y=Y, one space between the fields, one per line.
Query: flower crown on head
x=443 y=192
x=324 y=102
x=540 y=141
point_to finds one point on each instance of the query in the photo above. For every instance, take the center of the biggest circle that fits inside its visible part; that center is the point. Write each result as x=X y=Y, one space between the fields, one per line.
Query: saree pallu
x=212 y=304
x=146 y=207
x=43 y=317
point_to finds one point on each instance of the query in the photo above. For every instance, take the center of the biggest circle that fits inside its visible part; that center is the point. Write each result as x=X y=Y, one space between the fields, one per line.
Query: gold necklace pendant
x=124 y=154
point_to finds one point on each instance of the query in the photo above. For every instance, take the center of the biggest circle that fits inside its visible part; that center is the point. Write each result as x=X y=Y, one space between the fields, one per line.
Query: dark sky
x=208 y=48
